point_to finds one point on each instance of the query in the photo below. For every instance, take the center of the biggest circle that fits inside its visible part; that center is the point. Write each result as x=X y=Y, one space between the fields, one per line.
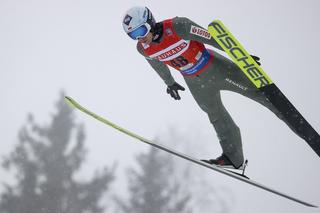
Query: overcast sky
x=80 y=47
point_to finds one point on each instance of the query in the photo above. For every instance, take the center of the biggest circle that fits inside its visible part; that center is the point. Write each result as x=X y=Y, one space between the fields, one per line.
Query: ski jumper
x=206 y=73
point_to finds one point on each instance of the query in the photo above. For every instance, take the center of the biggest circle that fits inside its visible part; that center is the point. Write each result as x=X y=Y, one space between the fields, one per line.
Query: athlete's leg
x=233 y=79
x=209 y=100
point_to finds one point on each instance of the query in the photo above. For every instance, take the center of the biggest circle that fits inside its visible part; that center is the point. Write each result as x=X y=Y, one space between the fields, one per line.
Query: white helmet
x=138 y=21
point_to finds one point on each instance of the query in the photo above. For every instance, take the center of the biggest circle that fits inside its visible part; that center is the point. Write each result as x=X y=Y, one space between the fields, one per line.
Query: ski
x=237 y=176
x=262 y=81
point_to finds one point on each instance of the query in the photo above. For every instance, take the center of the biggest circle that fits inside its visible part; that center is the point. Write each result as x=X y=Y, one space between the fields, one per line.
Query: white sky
x=79 y=46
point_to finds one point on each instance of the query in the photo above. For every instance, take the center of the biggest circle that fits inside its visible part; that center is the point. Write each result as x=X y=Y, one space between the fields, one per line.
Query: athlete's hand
x=173 y=90
x=257 y=59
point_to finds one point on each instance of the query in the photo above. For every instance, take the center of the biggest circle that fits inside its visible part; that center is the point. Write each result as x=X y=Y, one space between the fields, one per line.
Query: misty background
x=79 y=47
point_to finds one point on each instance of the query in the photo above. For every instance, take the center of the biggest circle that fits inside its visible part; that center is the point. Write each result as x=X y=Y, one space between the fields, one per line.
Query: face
x=147 y=39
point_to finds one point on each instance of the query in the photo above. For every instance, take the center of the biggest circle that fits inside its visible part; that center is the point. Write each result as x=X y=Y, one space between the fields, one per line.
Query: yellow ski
x=239 y=55
x=76 y=105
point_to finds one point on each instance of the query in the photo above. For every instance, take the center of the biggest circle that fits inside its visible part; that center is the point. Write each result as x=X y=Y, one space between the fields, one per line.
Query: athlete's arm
x=160 y=67
x=189 y=30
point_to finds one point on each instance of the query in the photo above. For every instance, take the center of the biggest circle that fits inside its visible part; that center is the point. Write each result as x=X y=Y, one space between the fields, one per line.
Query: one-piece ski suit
x=206 y=73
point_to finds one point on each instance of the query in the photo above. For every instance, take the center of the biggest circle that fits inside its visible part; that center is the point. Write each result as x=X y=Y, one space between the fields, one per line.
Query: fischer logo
x=200 y=32
x=242 y=58
x=171 y=52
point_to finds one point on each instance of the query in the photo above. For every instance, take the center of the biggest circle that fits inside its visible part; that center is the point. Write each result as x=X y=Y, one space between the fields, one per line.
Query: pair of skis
x=75 y=104
x=262 y=82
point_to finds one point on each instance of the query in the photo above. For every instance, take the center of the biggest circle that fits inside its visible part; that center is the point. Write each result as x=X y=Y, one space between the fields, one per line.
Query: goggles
x=140 y=32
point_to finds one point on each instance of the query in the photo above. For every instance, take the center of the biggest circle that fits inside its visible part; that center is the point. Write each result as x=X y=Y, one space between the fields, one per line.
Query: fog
x=79 y=47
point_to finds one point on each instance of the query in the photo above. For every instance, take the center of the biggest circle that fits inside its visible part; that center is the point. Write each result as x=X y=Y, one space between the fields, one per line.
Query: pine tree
x=152 y=187
x=46 y=160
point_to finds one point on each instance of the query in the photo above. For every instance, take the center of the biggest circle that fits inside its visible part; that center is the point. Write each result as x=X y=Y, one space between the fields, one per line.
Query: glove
x=173 y=90
x=257 y=59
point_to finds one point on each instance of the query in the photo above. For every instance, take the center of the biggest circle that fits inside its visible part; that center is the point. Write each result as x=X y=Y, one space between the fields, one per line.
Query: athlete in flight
x=179 y=43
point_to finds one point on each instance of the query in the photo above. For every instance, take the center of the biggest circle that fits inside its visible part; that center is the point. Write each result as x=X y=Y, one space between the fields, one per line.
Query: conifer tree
x=152 y=187
x=46 y=162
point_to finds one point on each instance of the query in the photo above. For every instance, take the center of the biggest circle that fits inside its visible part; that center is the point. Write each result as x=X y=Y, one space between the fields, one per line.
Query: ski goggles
x=140 y=32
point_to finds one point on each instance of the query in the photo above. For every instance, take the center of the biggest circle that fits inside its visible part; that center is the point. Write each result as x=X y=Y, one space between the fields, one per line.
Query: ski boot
x=224 y=162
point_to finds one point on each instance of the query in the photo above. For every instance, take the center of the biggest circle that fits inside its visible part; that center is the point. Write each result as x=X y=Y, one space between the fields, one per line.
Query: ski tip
x=310 y=205
x=69 y=101
x=212 y=24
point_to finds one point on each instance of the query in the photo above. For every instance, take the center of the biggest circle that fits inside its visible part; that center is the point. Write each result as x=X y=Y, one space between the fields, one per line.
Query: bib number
x=179 y=61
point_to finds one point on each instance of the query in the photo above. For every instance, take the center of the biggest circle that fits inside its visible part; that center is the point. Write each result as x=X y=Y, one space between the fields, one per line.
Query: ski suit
x=205 y=77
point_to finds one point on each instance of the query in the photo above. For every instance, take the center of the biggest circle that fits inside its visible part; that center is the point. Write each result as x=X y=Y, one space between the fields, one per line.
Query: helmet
x=138 y=22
